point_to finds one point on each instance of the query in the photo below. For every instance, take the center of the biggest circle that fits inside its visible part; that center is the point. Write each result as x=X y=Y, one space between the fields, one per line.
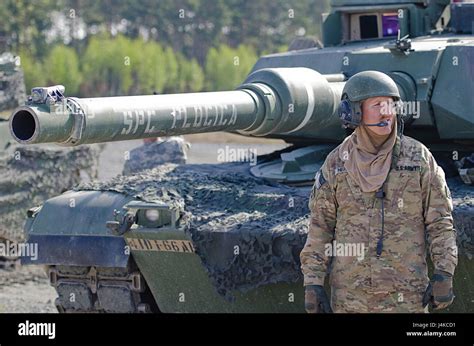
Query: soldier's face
x=378 y=109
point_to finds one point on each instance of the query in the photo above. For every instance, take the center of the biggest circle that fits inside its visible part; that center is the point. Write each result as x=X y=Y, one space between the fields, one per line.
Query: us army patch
x=319 y=179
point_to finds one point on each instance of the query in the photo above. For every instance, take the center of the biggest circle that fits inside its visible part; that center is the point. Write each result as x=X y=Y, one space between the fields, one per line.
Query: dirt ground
x=27 y=289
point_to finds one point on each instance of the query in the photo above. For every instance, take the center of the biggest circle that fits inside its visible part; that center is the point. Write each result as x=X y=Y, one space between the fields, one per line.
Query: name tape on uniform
x=160 y=245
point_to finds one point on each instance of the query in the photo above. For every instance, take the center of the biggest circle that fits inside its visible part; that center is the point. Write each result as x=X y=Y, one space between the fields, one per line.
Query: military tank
x=227 y=237
x=30 y=174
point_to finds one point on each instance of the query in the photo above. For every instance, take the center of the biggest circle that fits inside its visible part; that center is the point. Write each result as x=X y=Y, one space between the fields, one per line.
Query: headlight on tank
x=153 y=218
x=153 y=214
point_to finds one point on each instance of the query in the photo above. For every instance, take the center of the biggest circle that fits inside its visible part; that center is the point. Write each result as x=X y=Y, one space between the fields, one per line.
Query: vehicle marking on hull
x=160 y=245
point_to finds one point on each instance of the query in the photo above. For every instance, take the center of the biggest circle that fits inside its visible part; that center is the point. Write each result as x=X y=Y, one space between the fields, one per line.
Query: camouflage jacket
x=417 y=217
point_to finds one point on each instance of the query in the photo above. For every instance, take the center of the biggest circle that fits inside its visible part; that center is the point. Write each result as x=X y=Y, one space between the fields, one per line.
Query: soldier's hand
x=440 y=290
x=316 y=300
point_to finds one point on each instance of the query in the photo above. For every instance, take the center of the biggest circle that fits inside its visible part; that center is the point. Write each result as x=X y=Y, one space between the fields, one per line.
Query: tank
x=227 y=237
x=30 y=174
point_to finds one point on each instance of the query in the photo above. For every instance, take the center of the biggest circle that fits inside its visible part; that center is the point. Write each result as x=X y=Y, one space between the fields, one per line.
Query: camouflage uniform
x=417 y=198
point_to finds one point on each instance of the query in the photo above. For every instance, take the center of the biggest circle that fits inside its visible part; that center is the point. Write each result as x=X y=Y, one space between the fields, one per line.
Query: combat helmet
x=362 y=86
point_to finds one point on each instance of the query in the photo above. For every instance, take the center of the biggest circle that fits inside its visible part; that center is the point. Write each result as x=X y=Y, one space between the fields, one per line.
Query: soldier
x=383 y=194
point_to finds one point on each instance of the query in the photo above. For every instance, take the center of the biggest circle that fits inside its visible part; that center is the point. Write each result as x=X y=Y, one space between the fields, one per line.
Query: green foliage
x=191 y=27
x=62 y=67
x=171 y=71
x=190 y=75
x=24 y=23
x=149 y=67
x=107 y=66
x=140 y=47
x=226 y=68
x=32 y=70
x=121 y=66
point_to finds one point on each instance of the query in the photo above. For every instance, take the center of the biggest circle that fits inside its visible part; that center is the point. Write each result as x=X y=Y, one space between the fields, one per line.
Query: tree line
x=124 y=66
x=127 y=47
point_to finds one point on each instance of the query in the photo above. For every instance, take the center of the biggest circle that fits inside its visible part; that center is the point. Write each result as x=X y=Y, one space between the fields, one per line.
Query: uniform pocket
x=404 y=193
x=349 y=197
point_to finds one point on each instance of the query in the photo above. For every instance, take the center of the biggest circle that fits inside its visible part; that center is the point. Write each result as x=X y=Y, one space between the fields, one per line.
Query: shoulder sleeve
x=322 y=206
x=437 y=212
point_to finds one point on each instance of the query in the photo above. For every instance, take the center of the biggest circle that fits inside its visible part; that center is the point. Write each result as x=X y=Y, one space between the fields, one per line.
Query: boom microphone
x=380 y=124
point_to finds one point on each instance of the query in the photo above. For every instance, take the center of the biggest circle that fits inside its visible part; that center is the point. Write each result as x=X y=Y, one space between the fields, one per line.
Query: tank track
x=101 y=290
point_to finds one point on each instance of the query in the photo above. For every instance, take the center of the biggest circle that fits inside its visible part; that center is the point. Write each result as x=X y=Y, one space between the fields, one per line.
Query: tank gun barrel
x=270 y=102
